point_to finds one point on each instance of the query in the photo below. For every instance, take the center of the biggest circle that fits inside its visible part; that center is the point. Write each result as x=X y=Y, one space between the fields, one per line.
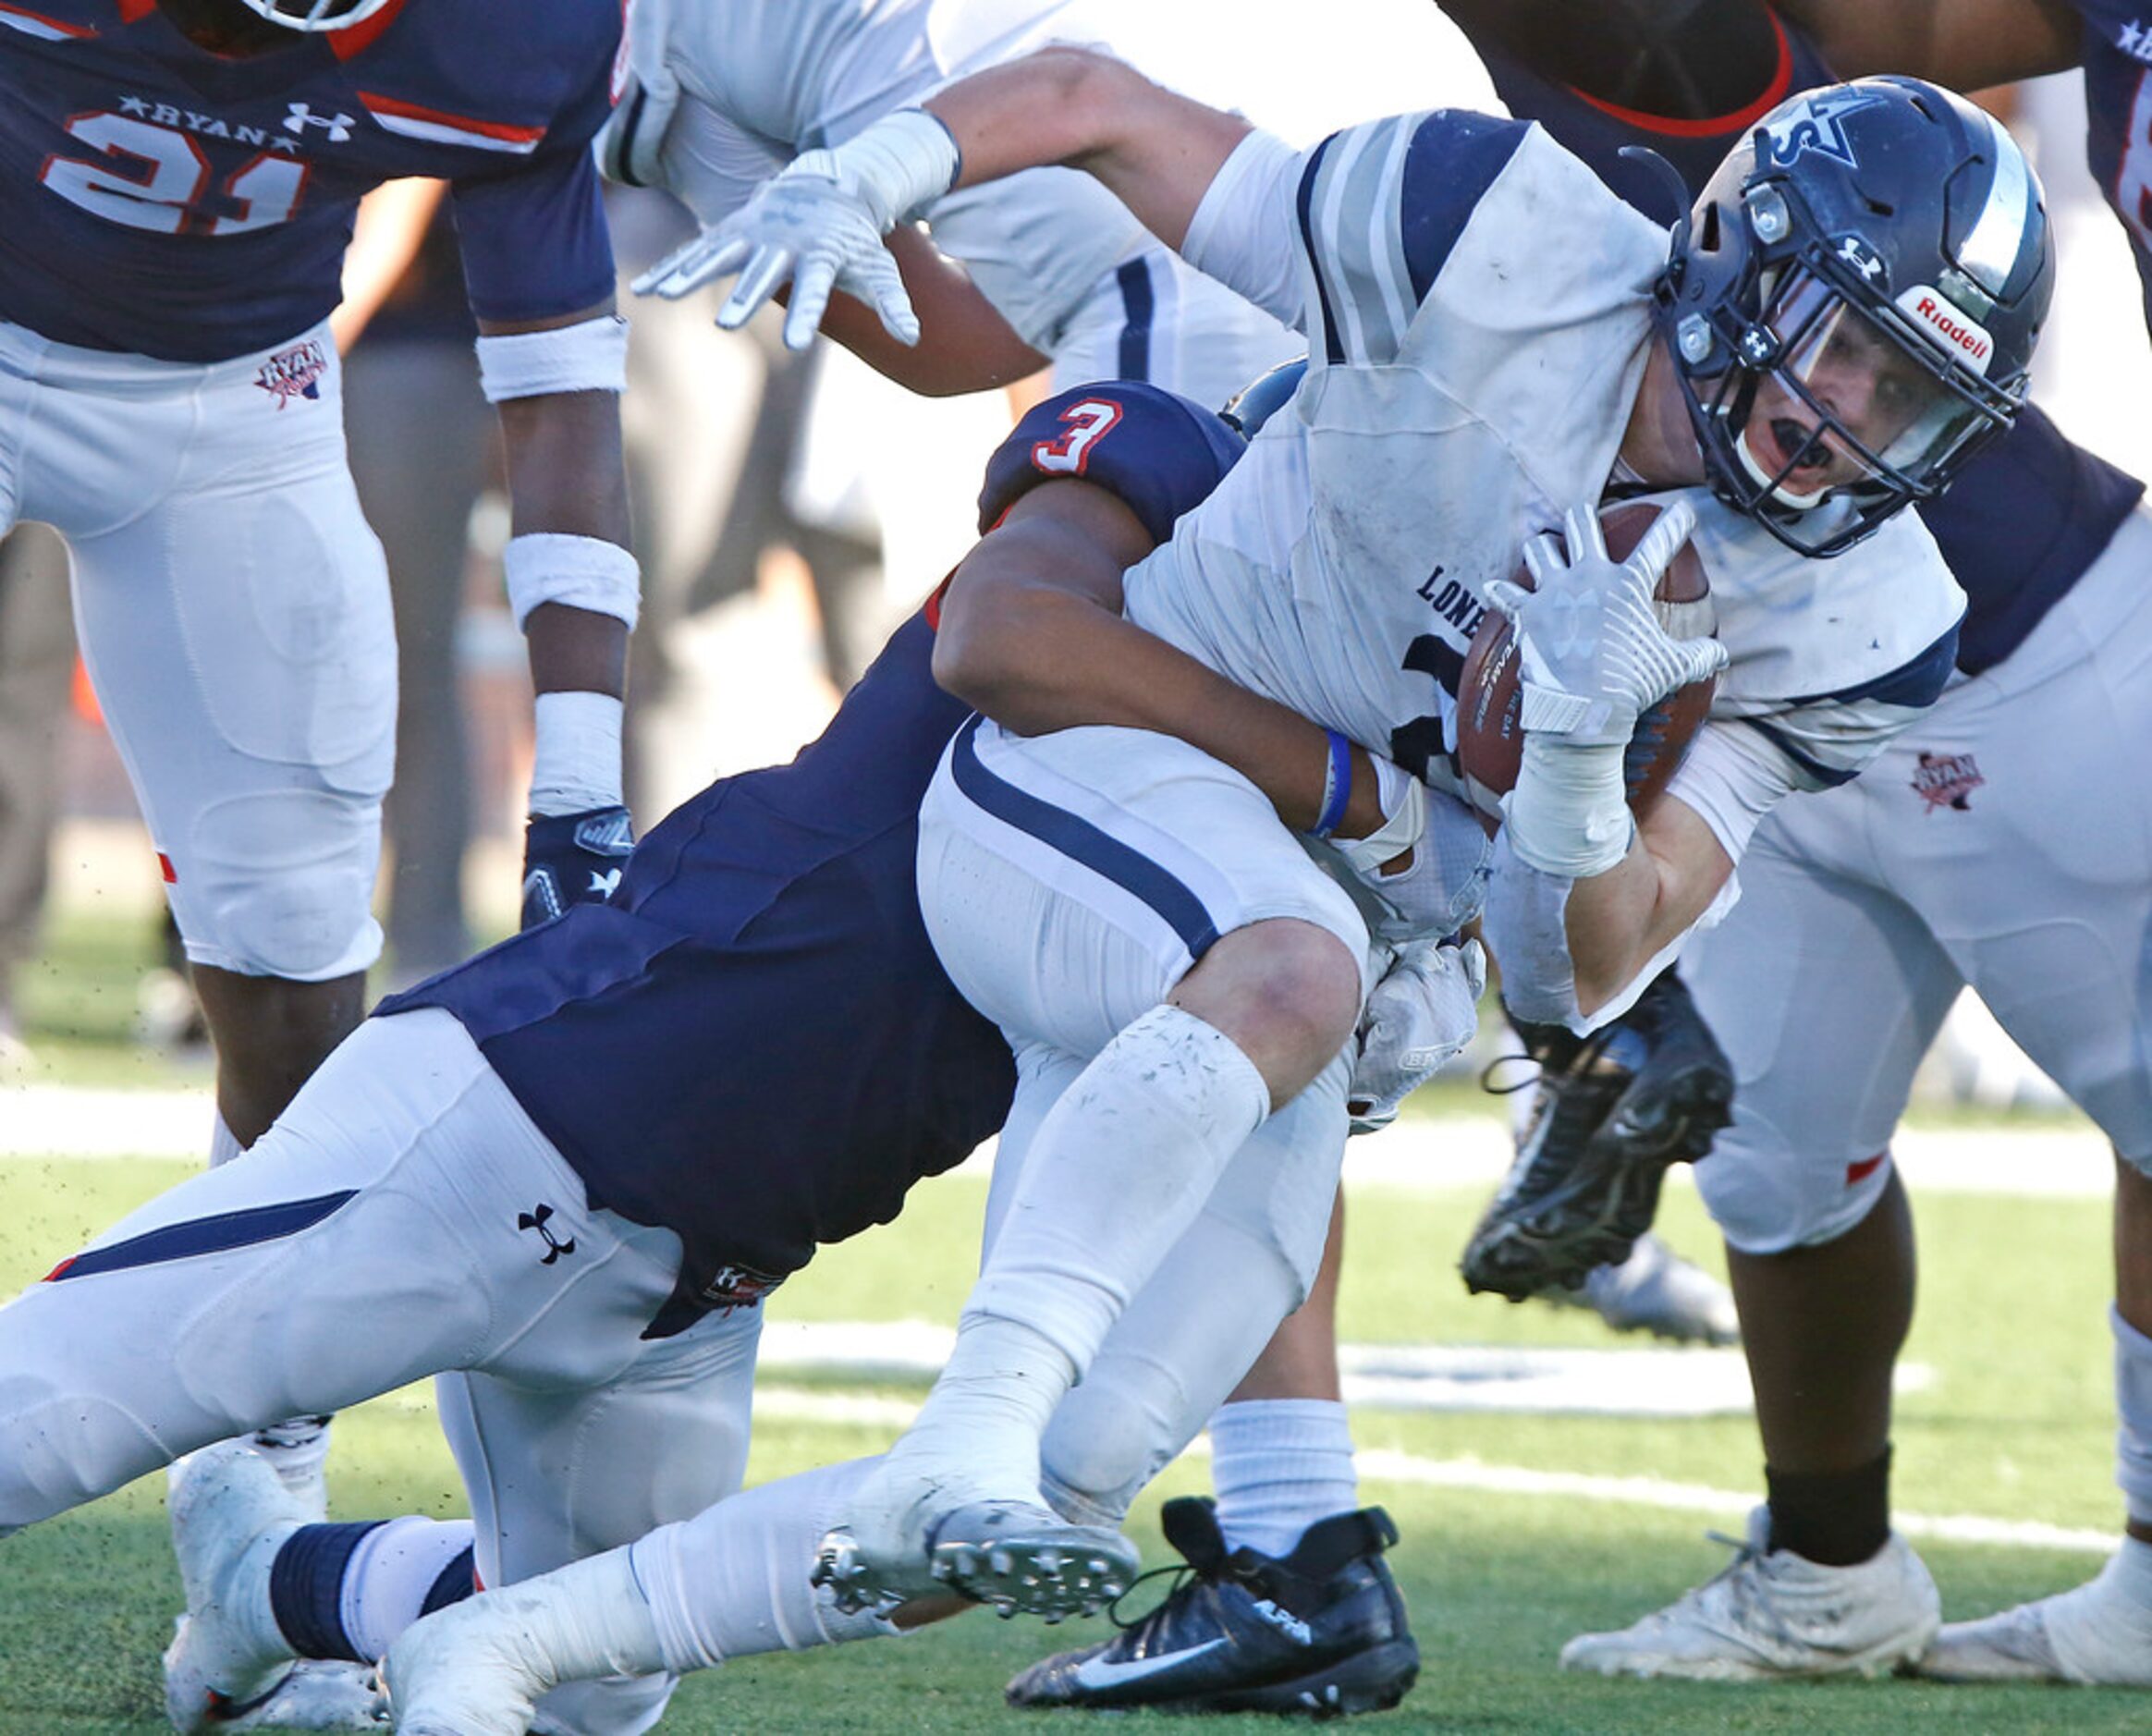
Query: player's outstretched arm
x=573 y=585
x=817 y=224
x=1967 y=44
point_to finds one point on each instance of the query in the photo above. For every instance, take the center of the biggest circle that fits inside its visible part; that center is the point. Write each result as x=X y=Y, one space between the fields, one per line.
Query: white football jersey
x=775 y=79
x=1478 y=311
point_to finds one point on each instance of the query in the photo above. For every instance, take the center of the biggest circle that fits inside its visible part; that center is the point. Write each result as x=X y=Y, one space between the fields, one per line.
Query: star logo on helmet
x=1813 y=125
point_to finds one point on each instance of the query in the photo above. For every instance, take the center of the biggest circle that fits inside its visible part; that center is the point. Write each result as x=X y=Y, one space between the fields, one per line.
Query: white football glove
x=1441 y=888
x=818 y=224
x=1421 y=1012
x=1594 y=656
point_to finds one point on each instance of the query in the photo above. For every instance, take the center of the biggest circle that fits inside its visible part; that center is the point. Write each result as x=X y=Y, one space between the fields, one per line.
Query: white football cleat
x=911 y=1532
x=2096 y=1633
x=1773 y=1615
x=1655 y=1291
x=478 y=1668
x=227 y=1667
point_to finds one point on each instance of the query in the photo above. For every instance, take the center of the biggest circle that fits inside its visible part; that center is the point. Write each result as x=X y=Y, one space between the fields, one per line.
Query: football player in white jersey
x=1496 y=342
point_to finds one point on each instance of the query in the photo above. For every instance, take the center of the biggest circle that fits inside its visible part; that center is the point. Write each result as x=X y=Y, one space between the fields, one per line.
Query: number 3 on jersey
x=153 y=177
x=1085 y=422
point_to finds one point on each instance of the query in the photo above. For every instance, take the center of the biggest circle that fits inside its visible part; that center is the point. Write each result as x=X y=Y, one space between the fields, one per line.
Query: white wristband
x=591 y=356
x=1569 y=814
x=585 y=572
x=576 y=764
x=901 y=162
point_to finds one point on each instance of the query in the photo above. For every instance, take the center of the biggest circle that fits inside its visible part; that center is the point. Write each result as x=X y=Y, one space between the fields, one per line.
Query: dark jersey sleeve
x=1158 y=451
x=533 y=236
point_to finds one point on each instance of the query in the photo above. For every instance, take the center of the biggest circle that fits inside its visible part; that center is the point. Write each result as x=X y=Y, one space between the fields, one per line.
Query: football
x=1490 y=737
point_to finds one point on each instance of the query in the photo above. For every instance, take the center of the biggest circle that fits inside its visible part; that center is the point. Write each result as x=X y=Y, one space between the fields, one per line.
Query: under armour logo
x=604 y=885
x=300 y=115
x=1861 y=257
x=555 y=1247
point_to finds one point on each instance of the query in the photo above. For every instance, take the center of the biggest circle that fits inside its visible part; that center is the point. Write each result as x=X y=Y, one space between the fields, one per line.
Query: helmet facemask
x=314 y=16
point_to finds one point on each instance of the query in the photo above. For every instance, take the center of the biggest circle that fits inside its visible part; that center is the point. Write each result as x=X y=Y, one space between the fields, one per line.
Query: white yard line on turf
x=2069 y=1161
x=1378 y=1465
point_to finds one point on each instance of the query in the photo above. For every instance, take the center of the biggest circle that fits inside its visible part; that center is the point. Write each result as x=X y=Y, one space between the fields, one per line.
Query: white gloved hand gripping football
x=1593 y=654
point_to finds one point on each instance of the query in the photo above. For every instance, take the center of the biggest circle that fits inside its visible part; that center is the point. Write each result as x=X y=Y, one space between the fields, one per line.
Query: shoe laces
x=1182 y=1574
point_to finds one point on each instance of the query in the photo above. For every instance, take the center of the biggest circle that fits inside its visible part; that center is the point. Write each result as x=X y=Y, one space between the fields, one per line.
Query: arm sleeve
x=1160 y=453
x=713 y=164
x=1241 y=233
x=533 y=233
x=1732 y=776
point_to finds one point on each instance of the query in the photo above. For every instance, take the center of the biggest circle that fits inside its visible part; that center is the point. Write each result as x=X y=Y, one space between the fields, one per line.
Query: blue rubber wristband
x=1337 y=785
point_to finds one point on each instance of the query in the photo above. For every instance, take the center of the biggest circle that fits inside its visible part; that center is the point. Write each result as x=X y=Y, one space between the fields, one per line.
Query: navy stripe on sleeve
x=1824 y=776
x=1915 y=684
x=1454 y=158
x=1304 y=203
x=1138 y=305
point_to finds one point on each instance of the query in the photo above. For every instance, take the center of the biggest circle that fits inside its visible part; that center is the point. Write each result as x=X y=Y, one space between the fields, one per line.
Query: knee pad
x=1766 y=1196
x=282 y=886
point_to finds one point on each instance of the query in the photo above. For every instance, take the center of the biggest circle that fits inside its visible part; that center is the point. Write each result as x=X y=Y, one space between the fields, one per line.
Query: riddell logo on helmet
x=1965 y=339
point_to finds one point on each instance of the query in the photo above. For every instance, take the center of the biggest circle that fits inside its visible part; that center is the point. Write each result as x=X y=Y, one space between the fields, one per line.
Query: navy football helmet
x=1853 y=305
x=314 y=15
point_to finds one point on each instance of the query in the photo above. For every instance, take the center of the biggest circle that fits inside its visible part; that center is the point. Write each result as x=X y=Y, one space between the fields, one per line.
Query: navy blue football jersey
x=166 y=201
x=2028 y=515
x=752 y=1044
x=2117 y=102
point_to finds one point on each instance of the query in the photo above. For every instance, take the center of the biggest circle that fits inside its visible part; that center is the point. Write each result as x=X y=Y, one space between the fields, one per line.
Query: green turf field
x=2013 y=1425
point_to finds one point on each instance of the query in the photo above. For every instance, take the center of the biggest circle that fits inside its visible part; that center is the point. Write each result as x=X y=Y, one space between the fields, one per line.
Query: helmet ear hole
x=1708 y=237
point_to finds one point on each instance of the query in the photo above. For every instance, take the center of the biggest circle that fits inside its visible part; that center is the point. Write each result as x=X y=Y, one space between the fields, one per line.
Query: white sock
x=391 y=1573
x=733 y=1581
x=2134 y=1415
x=1119 y=1169
x=2130 y=1573
x=1279 y=1465
x=224 y=1144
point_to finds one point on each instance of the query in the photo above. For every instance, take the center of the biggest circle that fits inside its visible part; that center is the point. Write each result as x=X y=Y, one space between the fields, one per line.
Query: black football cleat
x=1320 y=1632
x=1614 y=1109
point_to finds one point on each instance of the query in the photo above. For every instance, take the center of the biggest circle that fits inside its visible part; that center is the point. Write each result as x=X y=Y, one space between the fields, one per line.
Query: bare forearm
x=1967 y=44
x=1031 y=636
x=965 y=345
x=1157 y=150
x=1618 y=921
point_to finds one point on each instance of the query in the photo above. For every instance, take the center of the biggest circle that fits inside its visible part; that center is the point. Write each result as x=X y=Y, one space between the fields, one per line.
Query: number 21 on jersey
x=154 y=177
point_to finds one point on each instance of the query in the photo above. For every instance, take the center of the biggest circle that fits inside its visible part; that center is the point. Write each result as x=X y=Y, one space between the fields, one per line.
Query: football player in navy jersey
x=592 y=1257
x=1867 y=910
x=177 y=183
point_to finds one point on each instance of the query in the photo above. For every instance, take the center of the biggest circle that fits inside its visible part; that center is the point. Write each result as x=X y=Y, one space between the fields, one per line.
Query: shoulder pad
x=1158 y=452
